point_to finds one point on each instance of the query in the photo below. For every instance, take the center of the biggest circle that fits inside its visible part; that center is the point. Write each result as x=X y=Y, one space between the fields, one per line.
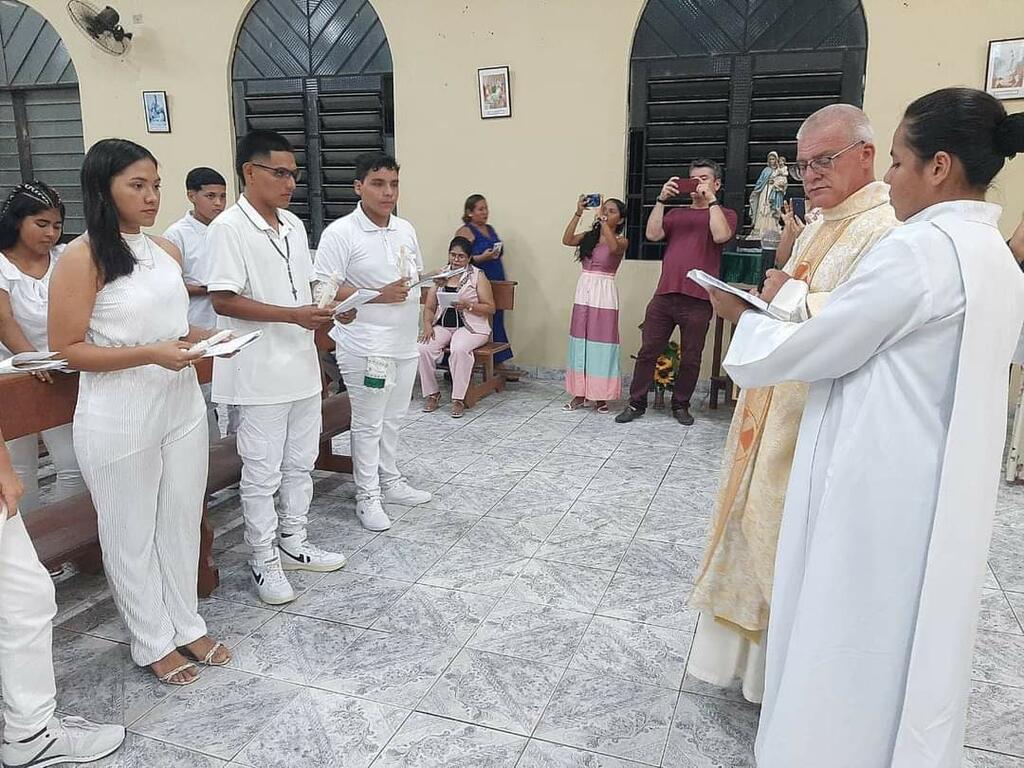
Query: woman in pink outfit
x=459 y=328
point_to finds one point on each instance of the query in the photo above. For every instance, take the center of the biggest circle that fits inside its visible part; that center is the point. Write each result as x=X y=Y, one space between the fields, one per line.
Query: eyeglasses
x=819 y=164
x=281 y=173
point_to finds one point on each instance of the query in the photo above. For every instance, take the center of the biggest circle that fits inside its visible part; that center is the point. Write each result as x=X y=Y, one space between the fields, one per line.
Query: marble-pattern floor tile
x=997 y=614
x=521 y=538
x=660 y=559
x=610 y=716
x=219 y=714
x=493 y=690
x=649 y=600
x=391 y=668
x=498 y=478
x=441 y=614
x=671 y=526
x=583 y=548
x=543 y=754
x=465 y=499
x=521 y=504
x=590 y=447
x=530 y=631
x=432 y=526
x=425 y=741
x=391 y=557
x=230 y=622
x=999 y=658
x=349 y=598
x=975 y=758
x=236 y=585
x=475 y=570
x=100 y=620
x=1016 y=601
x=637 y=652
x=607 y=519
x=995 y=719
x=561 y=464
x=545 y=484
x=626 y=496
x=293 y=648
x=573 y=587
x=320 y=729
x=141 y=752
x=1005 y=556
x=711 y=733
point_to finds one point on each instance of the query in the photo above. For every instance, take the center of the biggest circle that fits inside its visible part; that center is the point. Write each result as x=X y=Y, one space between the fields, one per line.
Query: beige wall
x=569 y=62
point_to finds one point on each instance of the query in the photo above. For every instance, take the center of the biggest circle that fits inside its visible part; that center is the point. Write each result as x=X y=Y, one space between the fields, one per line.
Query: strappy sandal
x=458 y=408
x=207 y=660
x=432 y=402
x=603 y=408
x=573 y=405
x=166 y=679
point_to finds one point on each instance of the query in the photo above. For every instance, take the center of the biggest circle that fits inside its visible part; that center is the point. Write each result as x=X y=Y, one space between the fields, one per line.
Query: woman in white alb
x=30 y=226
x=119 y=314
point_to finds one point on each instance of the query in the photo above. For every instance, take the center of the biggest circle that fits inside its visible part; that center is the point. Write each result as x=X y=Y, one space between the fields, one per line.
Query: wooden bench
x=483 y=356
x=66 y=530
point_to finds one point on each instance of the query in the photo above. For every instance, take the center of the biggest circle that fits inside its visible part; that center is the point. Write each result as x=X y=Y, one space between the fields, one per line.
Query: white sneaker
x=68 y=740
x=271 y=583
x=401 y=492
x=297 y=554
x=372 y=515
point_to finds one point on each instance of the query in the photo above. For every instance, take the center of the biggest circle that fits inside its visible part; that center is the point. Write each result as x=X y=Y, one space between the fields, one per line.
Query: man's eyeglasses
x=281 y=172
x=819 y=164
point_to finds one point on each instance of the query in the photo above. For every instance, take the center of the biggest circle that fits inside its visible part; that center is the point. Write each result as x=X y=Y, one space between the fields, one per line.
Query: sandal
x=166 y=679
x=574 y=404
x=602 y=408
x=207 y=660
x=431 y=402
x=458 y=408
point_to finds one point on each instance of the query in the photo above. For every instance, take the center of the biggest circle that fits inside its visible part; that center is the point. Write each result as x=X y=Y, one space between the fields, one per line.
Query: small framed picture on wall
x=158 y=117
x=495 y=92
x=1004 y=77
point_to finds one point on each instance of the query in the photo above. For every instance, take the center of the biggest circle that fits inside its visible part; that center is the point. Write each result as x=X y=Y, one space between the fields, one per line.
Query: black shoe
x=630 y=413
x=683 y=416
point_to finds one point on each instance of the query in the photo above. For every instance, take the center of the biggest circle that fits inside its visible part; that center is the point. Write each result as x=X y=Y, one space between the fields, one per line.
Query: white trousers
x=278 y=445
x=25 y=458
x=211 y=412
x=143 y=446
x=27 y=608
x=376 y=420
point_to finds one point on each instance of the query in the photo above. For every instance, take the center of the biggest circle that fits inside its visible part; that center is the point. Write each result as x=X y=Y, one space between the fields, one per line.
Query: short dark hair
x=259 y=143
x=26 y=200
x=968 y=123
x=707 y=162
x=199 y=177
x=368 y=162
x=461 y=242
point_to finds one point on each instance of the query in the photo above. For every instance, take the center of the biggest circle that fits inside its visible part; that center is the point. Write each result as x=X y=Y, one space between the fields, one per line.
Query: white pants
x=211 y=412
x=142 y=443
x=278 y=445
x=25 y=457
x=376 y=420
x=27 y=608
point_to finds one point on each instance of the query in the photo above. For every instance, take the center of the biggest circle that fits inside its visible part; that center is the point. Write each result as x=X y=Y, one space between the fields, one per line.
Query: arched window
x=732 y=80
x=318 y=71
x=40 y=112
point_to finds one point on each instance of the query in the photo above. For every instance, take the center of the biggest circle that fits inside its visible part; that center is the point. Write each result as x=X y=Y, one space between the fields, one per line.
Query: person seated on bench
x=30 y=226
x=32 y=735
x=120 y=316
x=459 y=328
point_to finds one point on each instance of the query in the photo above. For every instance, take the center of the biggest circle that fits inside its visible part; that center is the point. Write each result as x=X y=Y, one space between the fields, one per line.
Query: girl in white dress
x=119 y=314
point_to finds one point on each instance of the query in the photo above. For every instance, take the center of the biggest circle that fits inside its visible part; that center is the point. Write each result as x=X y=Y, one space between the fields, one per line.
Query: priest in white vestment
x=890 y=505
x=835 y=158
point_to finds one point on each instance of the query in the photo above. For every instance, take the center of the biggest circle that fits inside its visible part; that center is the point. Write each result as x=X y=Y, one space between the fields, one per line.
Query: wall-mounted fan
x=101 y=26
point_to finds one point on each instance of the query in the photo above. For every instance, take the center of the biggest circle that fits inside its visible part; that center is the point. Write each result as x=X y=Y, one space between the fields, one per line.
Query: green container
x=742 y=267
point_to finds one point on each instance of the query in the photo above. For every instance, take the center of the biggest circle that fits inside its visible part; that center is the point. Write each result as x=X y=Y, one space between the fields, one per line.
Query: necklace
x=286 y=254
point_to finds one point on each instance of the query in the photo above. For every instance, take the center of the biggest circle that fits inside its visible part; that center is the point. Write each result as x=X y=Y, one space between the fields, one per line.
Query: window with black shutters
x=732 y=81
x=319 y=72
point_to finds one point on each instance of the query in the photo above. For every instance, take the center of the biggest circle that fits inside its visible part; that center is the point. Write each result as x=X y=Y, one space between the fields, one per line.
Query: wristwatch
x=713 y=203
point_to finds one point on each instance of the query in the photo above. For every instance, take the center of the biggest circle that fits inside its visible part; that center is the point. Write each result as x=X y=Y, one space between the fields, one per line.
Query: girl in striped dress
x=592 y=368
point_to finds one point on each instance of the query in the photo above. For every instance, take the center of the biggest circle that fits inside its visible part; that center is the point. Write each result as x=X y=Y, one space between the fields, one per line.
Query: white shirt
x=247 y=257
x=189 y=234
x=29 y=300
x=356 y=251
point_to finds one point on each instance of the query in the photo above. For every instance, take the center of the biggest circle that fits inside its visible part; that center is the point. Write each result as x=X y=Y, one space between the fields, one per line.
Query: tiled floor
x=532 y=615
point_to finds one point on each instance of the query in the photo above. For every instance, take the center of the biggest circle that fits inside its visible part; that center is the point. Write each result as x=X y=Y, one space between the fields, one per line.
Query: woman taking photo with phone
x=31 y=223
x=592 y=369
x=119 y=314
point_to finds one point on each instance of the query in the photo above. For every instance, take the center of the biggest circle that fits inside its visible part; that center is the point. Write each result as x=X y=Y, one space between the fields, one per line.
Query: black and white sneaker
x=271 y=583
x=68 y=740
x=297 y=554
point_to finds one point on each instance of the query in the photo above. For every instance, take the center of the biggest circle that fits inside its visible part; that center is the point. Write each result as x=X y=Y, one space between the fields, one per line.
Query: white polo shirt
x=358 y=252
x=29 y=297
x=283 y=366
x=189 y=234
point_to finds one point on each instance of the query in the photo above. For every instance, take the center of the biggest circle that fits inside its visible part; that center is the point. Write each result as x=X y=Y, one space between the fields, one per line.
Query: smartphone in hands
x=799 y=205
x=592 y=200
x=686 y=185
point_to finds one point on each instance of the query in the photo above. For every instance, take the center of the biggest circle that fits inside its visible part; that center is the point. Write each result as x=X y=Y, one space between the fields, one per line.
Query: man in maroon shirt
x=695 y=237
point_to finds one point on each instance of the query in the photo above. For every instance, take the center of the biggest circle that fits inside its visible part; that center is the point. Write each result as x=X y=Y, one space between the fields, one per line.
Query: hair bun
x=1009 y=135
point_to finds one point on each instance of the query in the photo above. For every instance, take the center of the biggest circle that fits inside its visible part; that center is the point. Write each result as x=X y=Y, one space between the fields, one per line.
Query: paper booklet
x=357 y=299
x=702 y=278
x=444 y=274
x=229 y=347
x=445 y=300
x=31 y=362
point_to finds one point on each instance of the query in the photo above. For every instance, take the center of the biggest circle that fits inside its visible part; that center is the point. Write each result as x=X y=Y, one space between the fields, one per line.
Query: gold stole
x=756 y=403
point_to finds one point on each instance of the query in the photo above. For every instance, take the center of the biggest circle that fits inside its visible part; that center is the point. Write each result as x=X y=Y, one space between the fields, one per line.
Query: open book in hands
x=440 y=274
x=225 y=344
x=33 y=362
x=357 y=299
x=705 y=280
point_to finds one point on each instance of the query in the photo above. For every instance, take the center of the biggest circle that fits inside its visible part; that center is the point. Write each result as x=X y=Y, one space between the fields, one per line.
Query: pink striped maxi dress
x=592 y=369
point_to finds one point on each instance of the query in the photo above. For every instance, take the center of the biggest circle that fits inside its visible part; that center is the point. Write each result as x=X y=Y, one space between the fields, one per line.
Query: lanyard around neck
x=286 y=254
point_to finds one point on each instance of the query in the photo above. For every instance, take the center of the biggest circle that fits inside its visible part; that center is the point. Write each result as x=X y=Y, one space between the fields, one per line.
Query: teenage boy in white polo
x=259 y=278
x=377 y=354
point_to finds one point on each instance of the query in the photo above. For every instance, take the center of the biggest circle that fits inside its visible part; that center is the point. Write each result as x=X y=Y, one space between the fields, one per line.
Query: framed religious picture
x=158 y=118
x=495 y=92
x=1004 y=77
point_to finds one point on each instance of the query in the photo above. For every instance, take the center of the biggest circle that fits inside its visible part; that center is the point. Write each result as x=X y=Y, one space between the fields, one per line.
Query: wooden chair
x=483 y=357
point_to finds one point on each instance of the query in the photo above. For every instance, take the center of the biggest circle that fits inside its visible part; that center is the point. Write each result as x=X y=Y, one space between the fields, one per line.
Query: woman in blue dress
x=486 y=254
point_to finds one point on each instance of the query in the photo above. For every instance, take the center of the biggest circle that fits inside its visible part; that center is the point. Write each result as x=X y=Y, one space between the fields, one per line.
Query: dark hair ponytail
x=105 y=160
x=467 y=210
x=969 y=124
x=590 y=240
x=26 y=200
